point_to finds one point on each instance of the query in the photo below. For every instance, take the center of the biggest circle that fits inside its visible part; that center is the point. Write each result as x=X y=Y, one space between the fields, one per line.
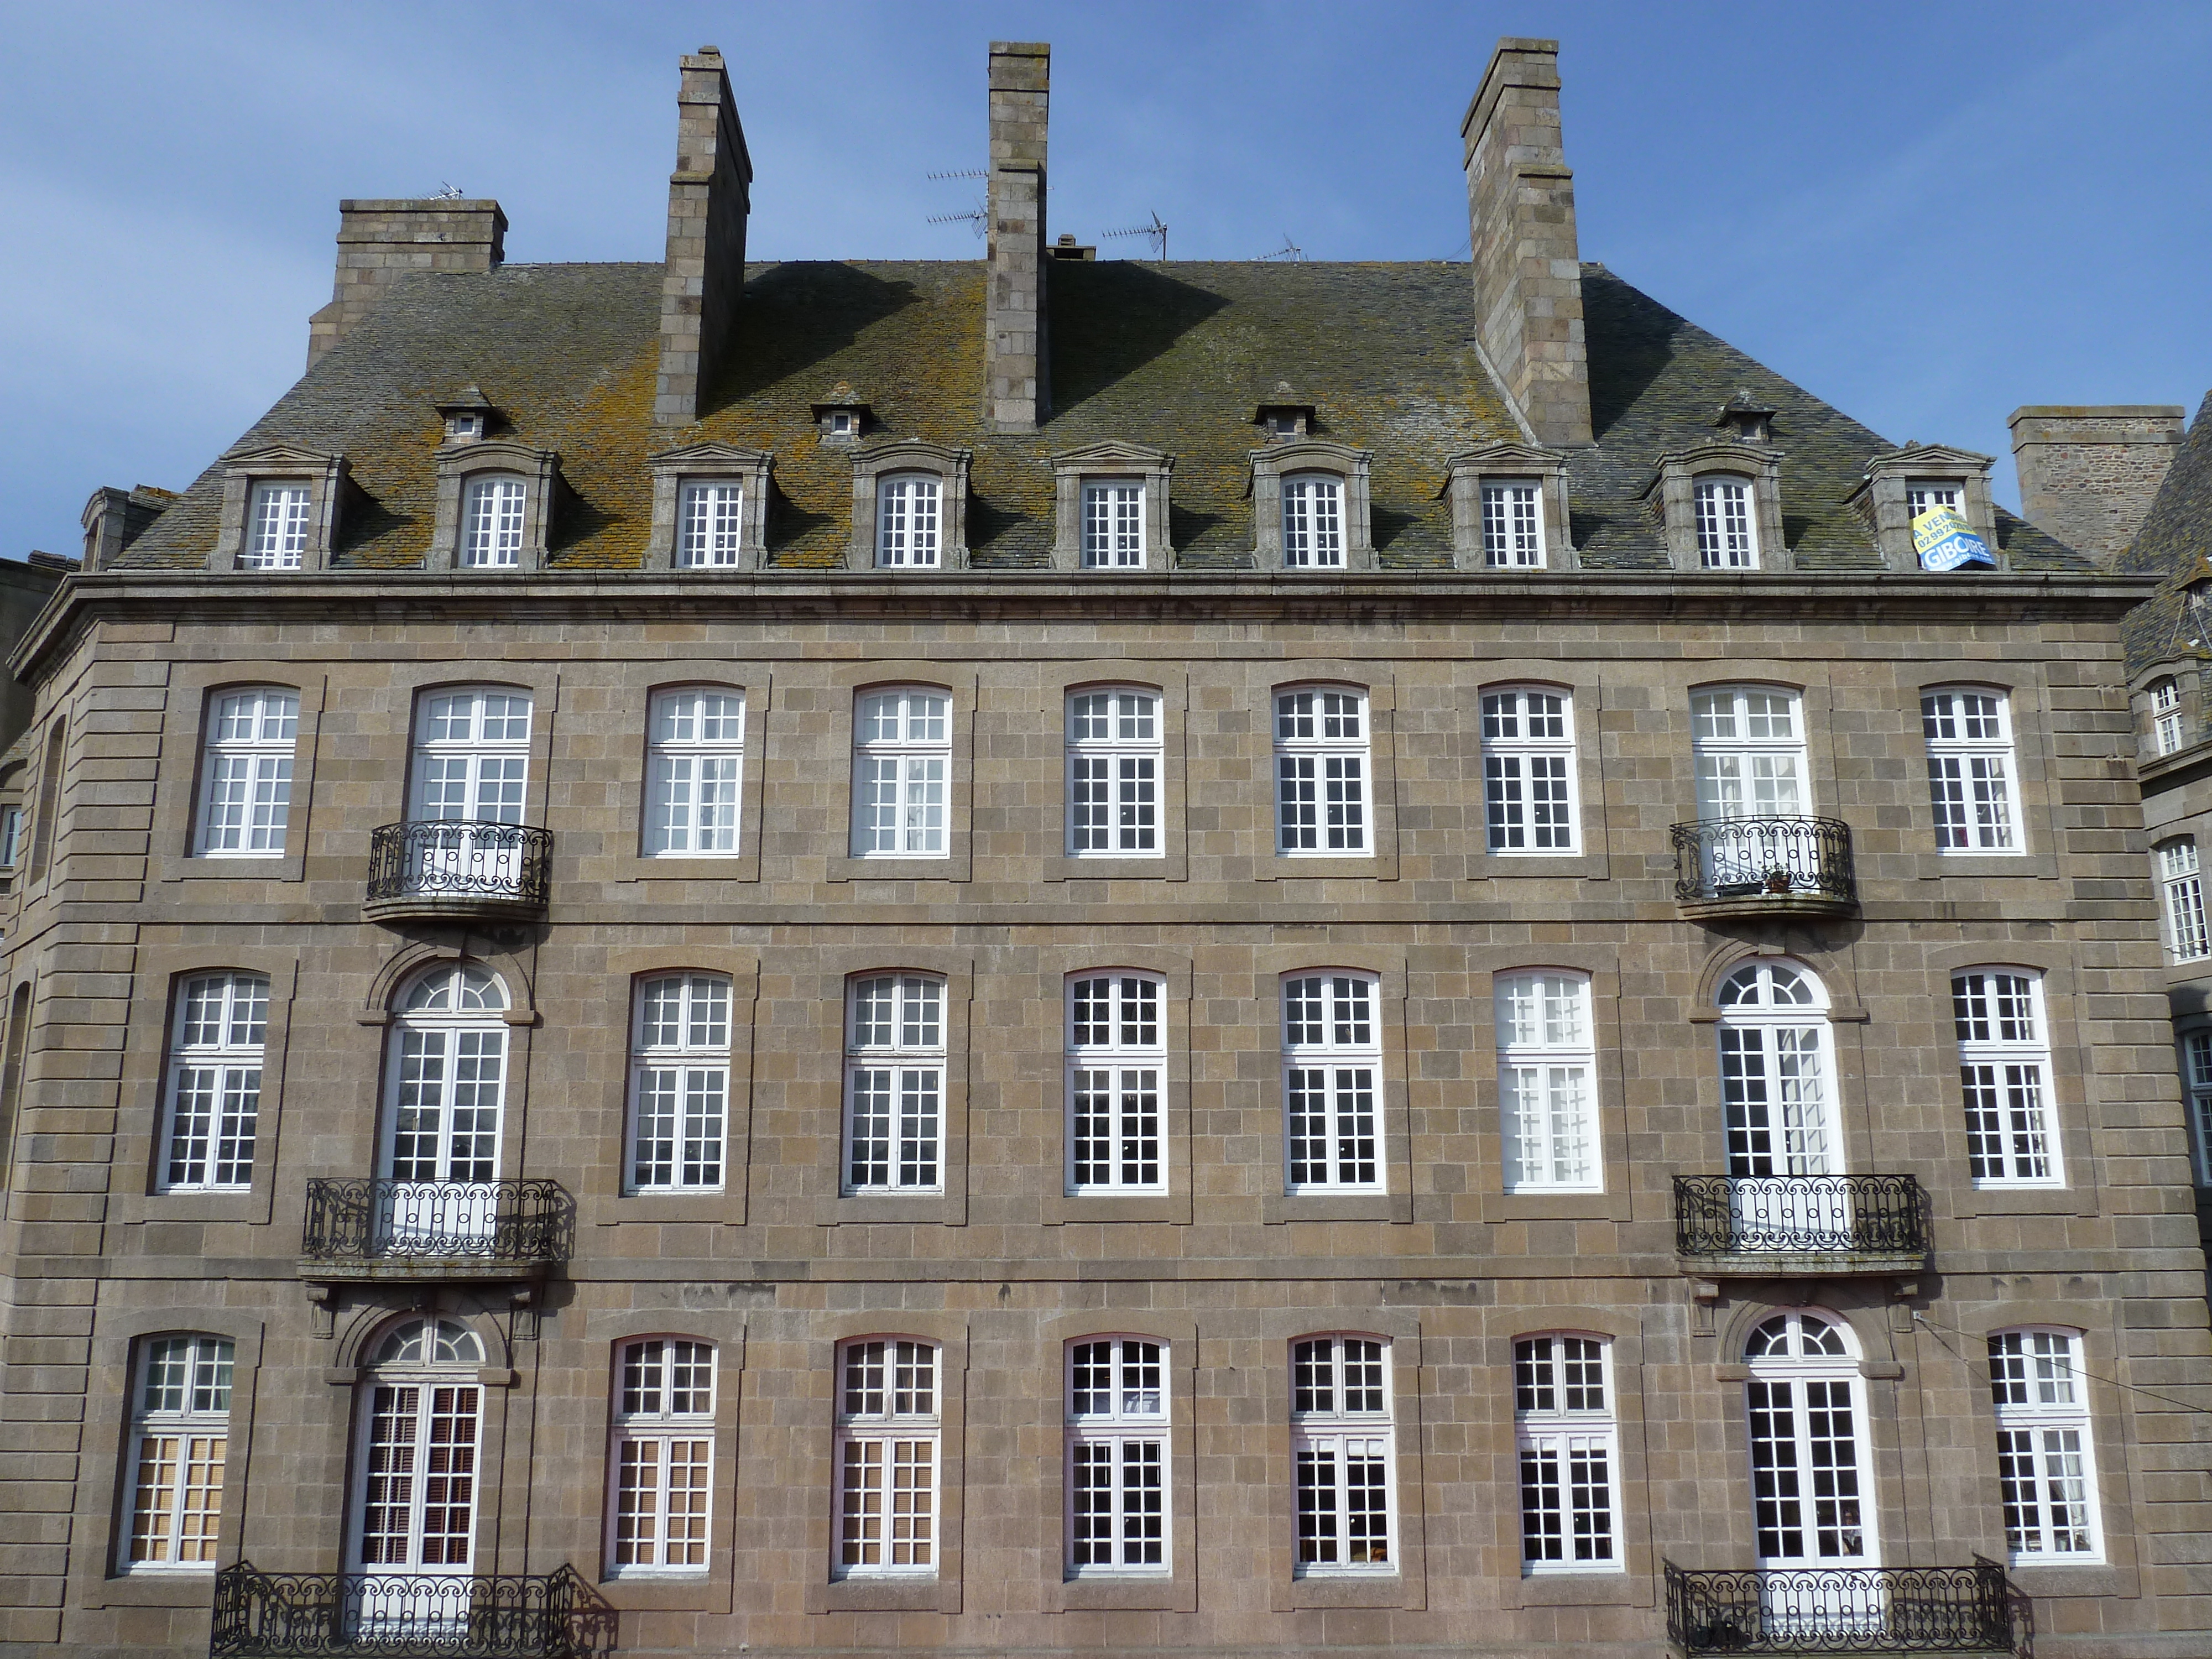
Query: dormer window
x=1727 y=538
x=1113 y=524
x=712 y=525
x=843 y=417
x=1924 y=495
x=492 y=523
x=279 y=517
x=1902 y=484
x=1283 y=426
x=2166 y=715
x=1313 y=522
x=459 y=427
x=467 y=414
x=1508 y=508
x=840 y=422
x=909 y=506
x=1310 y=507
x=1512 y=524
x=907 y=533
x=1110 y=507
x=280 y=507
x=709 y=507
x=1720 y=506
x=1283 y=422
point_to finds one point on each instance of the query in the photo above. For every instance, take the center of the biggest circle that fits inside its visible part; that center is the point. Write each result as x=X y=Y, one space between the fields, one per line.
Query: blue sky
x=1928 y=214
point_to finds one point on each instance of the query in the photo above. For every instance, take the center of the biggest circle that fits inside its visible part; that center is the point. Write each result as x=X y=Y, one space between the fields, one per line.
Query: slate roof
x=1174 y=355
x=2173 y=543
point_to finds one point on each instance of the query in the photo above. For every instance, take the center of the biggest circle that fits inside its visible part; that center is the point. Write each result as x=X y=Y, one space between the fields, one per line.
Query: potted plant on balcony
x=1778 y=880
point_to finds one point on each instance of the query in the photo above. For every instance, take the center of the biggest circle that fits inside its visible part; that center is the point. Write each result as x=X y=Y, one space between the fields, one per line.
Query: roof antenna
x=1157 y=230
x=1290 y=252
x=973 y=172
x=979 y=216
x=450 y=193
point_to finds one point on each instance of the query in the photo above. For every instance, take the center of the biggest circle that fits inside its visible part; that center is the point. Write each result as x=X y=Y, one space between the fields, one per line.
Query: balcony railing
x=1842 y=1610
x=287 y=1615
x=1774 y=1217
x=456 y=865
x=436 y=1228
x=1748 y=864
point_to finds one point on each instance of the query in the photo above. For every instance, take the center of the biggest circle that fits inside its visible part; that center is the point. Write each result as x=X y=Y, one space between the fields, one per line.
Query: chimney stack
x=2088 y=474
x=1017 y=369
x=709 y=195
x=1521 y=218
x=379 y=241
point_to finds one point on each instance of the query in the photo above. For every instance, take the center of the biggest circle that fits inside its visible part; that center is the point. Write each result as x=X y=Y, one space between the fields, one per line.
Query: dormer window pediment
x=1310 y=507
x=1901 y=483
x=1719 y=505
x=1112 y=501
x=1509 y=504
x=497 y=502
x=709 y=507
x=909 y=506
x=281 y=506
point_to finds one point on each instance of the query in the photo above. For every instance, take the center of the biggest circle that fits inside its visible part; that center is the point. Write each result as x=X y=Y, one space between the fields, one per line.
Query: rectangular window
x=1726 y=540
x=1313 y=524
x=1117 y=1458
x=491 y=524
x=2004 y=1070
x=663 y=1459
x=712 y=522
x=1116 y=1059
x=2183 y=885
x=1321 y=773
x=1925 y=494
x=1114 y=774
x=887 y=1430
x=1546 y=1093
x=894 y=1084
x=276 y=526
x=11 y=837
x=2166 y=715
x=1512 y=524
x=695 y=774
x=907 y=523
x=180 y=1436
x=246 y=798
x=1749 y=748
x=2045 y=1460
x=1971 y=776
x=1528 y=781
x=1570 y=1455
x=1331 y=1056
x=901 y=769
x=680 y=1083
x=1341 y=1442
x=214 y=1094
x=2196 y=1049
x=1113 y=526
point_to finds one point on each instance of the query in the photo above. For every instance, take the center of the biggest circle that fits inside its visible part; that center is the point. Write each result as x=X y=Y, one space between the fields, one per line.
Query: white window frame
x=1331 y=1438
x=1567 y=1432
x=246 y=772
x=888 y=1439
x=1115 y=759
x=1113 y=533
x=2040 y=1396
x=695 y=780
x=211 y=1092
x=1748 y=746
x=2165 y=714
x=2196 y=1077
x=485 y=729
x=1126 y=1436
x=179 y=1443
x=679 y=1084
x=902 y=772
x=1856 y=1514
x=1773 y=1019
x=1973 y=775
x=1922 y=494
x=494 y=512
x=2005 y=1078
x=1333 y=1101
x=2181 y=884
x=895 y=1050
x=1513 y=524
x=279 y=525
x=437 y=1357
x=1724 y=507
x=445 y=1109
x=911 y=521
x=11 y=837
x=1324 y=766
x=710 y=524
x=1532 y=805
x=660 y=1462
x=1313 y=506
x=1548 y=1106
x=1116 y=1082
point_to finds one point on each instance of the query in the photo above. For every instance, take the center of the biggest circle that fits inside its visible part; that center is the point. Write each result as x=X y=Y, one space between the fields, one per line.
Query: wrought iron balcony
x=416 y=1230
x=1738 y=866
x=288 y=1615
x=457 y=867
x=1959 y=1610
x=1838 y=1224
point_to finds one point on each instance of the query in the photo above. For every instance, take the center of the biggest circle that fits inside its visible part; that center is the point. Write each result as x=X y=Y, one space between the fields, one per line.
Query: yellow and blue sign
x=1944 y=540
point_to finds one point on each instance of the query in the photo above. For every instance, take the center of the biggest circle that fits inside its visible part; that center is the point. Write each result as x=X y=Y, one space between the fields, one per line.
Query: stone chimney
x=1521 y=218
x=381 y=241
x=1016 y=349
x=2088 y=473
x=709 y=195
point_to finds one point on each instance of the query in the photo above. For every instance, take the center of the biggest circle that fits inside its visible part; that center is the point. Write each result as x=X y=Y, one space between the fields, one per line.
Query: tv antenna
x=979 y=216
x=451 y=193
x=973 y=172
x=1290 y=252
x=1156 y=230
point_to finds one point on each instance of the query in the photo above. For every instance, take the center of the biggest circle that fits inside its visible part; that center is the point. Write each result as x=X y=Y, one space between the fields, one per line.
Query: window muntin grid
x=1512 y=524
x=1342 y=1456
x=2183 y=886
x=180 y=1441
x=1118 y=1512
x=1116 y=1082
x=1728 y=536
x=1113 y=524
x=710 y=525
x=889 y=1424
x=2004 y=1072
x=1114 y=761
x=901 y=770
x=245 y=796
x=1809 y=1454
x=416 y=1481
x=1921 y=495
x=492 y=514
x=894 y=1082
x=909 y=522
x=1529 y=781
x=2196 y=1051
x=2047 y=1458
x=1748 y=742
x=1313 y=522
x=660 y=1478
x=1570 y=1454
x=1972 y=778
x=1776 y=1057
x=278 y=525
x=2166 y=715
x=11 y=837
x=679 y=1083
x=447 y=1086
x=471 y=756
x=1547 y=1083
x=696 y=776
x=1321 y=772
x=1332 y=1062
x=212 y=1100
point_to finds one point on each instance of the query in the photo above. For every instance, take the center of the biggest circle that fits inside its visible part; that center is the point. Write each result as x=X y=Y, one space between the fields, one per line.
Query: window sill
x=1330 y=866
x=158 y=1587
x=937 y=867
x=1543 y=866
x=199 y=866
x=726 y=1208
x=692 y=1592
x=1167 y=867
x=2024 y=865
x=1598 y=1587
x=1159 y=1592
x=1338 y=1206
x=885 y=1595
x=867 y=1209
x=1364 y=1590
x=741 y=866
x=2023 y=1200
x=1075 y=1209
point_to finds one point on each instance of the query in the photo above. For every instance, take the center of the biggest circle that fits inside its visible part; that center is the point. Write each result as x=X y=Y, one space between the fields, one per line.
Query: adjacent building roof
x=2173 y=543
x=1175 y=355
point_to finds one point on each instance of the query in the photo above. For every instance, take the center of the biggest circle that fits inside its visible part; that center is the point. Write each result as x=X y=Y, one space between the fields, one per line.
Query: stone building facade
x=709 y=961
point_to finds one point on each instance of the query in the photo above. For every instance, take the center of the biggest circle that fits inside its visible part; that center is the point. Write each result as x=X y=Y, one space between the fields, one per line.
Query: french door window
x=1114 y=774
x=1528 y=770
x=180 y=1439
x=1810 y=1480
x=1728 y=537
x=1117 y=1458
x=2046 y=1463
x=889 y=1421
x=1512 y=525
x=680 y=1083
x=894 y=1084
x=276 y=526
x=213 y=1096
x=2004 y=1072
x=663 y=1459
x=245 y=797
x=445 y=1094
x=711 y=522
x=1569 y=1455
x=1341 y=1440
x=1113 y=526
x=1313 y=523
x=901 y=769
x=1321 y=772
x=907 y=523
x=491 y=524
x=1332 y=1056
x=416 y=1481
x=1116 y=1055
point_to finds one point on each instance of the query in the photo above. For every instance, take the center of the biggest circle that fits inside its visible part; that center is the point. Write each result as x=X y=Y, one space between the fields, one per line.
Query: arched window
x=2046 y=1463
x=1116 y=1056
x=1749 y=745
x=1342 y=1453
x=213 y=1101
x=1313 y=522
x=894 y=1082
x=491 y=523
x=180 y=1437
x=1547 y=1083
x=2166 y=715
x=663 y=1463
x=445 y=1097
x=1113 y=772
x=902 y=769
x=908 y=522
x=246 y=771
x=1117 y=1456
x=2182 y=883
x=1777 y=1069
x=1973 y=782
x=1809 y=1470
x=471 y=755
x=679 y=1083
x=415 y=1476
x=696 y=772
x=890 y=1416
x=1727 y=530
x=1528 y=782
x=1564 y=1421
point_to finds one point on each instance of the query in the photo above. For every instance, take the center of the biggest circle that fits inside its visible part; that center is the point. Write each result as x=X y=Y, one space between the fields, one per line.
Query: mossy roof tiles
x=2173 y=543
